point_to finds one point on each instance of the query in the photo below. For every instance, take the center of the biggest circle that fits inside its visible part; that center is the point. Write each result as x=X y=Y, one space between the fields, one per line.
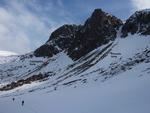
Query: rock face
x=64 y=36
x=99 y=29
x=46 y=50
x=77 y=41
x=139 y=22
x=61 y=39
x=21 y=82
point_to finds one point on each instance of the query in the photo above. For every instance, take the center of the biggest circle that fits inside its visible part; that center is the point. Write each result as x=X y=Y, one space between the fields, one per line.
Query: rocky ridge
x=78 y=40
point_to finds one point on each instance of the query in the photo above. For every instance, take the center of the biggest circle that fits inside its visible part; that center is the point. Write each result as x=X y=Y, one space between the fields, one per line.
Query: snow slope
x=126 y=93
x=113 y=78
x=7 y=56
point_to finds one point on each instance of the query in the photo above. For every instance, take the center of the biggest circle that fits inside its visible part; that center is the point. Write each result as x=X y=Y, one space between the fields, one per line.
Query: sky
x=27 y=24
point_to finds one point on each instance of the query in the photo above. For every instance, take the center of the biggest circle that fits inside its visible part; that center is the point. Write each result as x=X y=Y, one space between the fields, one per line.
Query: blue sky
x=26 y=24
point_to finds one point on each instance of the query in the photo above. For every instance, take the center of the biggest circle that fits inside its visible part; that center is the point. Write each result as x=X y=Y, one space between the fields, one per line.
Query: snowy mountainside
x=126 y=93
x=114 y=56
x=7 y=56
x=101 y=66
x=137 y=23
x=113 y=78
x=27 y=65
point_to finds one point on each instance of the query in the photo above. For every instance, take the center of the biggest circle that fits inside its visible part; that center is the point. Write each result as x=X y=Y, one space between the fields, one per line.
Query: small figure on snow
x=55 y=88
x=13 y=99
x=22 y=102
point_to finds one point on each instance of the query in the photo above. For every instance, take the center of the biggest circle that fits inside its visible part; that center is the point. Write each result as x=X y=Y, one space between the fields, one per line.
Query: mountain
x=137 y=23
x=100 y=66
x=7 y=53
x=7 y=56
x=79 y=40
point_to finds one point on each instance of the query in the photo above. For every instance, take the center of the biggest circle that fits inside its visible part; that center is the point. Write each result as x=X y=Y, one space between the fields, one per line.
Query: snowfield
x=114 y=78
x=125 y=93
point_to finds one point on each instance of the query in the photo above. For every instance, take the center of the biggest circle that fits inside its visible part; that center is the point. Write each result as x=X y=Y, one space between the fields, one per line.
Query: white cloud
x=140 y=4
x=23 y=30
x=10 y=32
x=17 y=26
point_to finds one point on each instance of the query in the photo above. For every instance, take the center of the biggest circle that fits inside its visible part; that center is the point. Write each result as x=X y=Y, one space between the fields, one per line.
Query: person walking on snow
x=13 y=99
x=22 y=102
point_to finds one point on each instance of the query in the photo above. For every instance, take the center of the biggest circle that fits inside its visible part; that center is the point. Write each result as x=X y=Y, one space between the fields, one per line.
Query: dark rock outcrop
x=46 y=50
x=77 y=41
x=33 y=78
x=139 y=22
x=60 y=39
x=64 y=36
x=99 y=29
